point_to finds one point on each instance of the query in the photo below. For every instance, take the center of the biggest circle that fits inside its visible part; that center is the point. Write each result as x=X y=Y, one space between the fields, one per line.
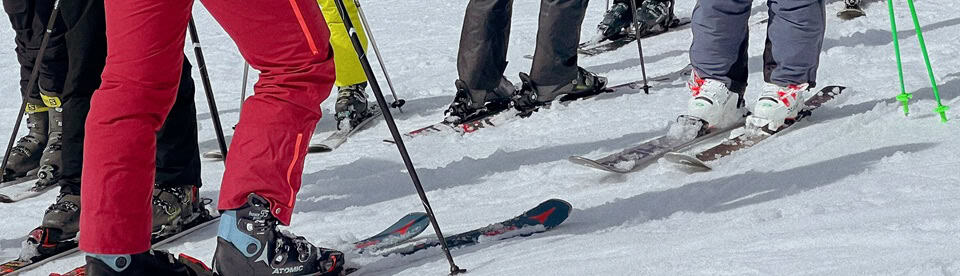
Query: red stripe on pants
x=146 y=39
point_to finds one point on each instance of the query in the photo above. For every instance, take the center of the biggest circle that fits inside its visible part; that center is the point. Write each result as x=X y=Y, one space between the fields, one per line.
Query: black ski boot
x=248 y=243
x=152 y=262
x=531 y=96
x=173 y=208
x=57 y=232
x=25 y=155
x=656 y=16
x=50 y=162
x=470 y=104
x=615 y=23
x=351 y=105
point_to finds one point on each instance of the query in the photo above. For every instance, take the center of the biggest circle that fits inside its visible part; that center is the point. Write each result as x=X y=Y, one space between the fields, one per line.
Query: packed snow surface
x=857 y=189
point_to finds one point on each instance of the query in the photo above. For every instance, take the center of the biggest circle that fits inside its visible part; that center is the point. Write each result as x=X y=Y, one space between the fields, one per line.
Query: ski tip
x=688 y=161
x=550 y=213
x=388 y=141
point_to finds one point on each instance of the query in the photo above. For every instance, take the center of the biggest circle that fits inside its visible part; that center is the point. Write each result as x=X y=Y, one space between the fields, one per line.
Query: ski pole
x=397 y=102
x=392 y=125
x=904 y=97
x=636 y=31
x=207 y=89
x=941 y=109
x=34 y=75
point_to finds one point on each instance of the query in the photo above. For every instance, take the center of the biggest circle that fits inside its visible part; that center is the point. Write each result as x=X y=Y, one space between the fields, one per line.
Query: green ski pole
x=941 y=109
x=904 y=97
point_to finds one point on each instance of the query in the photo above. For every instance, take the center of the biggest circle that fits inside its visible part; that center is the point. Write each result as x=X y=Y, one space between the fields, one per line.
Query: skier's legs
x=795 y=36
x=482 y=55
x=720 y=40
x=87 y=51
x=555 y=58
x=178 y=155
x=29 y=20
x=139 y=87
x=288 y=42
x=349 y=70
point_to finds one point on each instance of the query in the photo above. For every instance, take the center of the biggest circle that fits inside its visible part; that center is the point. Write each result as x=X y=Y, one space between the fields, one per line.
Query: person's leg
x=484 y=38
x=555 y=58
x=178 y=155
x=288 y=41
x=795 y=35
x=87 y=51
x=349 y=70
x=139 y=83
x=720 y=29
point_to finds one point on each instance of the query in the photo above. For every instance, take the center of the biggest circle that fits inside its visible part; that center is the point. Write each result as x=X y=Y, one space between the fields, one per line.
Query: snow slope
x=856 y=189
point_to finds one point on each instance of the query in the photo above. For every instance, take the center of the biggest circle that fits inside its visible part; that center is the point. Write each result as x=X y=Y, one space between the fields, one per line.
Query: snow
x=858 y=188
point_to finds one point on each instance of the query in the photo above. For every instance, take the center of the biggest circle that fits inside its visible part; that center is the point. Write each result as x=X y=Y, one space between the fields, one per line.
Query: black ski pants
x=482 y=57
x=178 y=155
x=29 y=21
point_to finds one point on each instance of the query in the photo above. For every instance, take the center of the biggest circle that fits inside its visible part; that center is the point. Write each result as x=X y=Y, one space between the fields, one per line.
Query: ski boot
x=50 y=162
x=351 y=105
x=173 y=208
x=775 y=106
x=249 y=243
x=531 y=96
x=615 y=23
x=656 y=16
x=470 y=104
x=57 y=232
x=25 y=155
x=713 y=103
x=152 y=262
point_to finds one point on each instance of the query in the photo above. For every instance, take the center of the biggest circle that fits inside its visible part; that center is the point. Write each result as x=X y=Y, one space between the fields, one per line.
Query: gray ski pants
x=792 y=51
x=486 y=32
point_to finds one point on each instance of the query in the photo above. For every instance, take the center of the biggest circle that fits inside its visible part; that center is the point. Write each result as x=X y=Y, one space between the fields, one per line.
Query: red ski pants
x=287 y=40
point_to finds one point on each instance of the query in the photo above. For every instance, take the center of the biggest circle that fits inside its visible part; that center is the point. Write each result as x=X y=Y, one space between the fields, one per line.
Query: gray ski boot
x=174 y=207
x=57 y=232
x=470 y=104
x=50 y=162
x=25 y=155
x=351 y=105
x=531 y=95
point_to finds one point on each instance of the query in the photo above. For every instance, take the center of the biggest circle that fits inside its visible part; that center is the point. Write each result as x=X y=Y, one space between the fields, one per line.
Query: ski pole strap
x=904 y=97
x=941 y=109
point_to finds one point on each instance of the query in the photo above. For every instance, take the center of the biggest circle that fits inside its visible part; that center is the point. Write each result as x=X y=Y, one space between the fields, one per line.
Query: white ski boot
x=775 y=105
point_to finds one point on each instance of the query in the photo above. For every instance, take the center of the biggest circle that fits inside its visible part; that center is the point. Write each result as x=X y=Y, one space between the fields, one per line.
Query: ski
x=401 y=231
x=30 y=259
x=340 y=136
x=21 y=192
x=592 y=48
x=497 y=118
x=543 y=217
x=699 y=160
x=31 y=175
x=406 y=228
x=686 y=132
x=851 y=10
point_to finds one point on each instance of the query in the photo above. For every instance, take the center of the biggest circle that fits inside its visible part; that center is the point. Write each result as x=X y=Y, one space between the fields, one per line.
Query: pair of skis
x=545 y=216
x=501 y=117
x=688 y=132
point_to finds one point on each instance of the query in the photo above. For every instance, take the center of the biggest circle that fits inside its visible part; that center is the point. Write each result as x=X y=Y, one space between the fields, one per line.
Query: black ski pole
x=207 y=89
x=636 y=31
x=372 y=78
x=34 y=75
x=397 y=102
